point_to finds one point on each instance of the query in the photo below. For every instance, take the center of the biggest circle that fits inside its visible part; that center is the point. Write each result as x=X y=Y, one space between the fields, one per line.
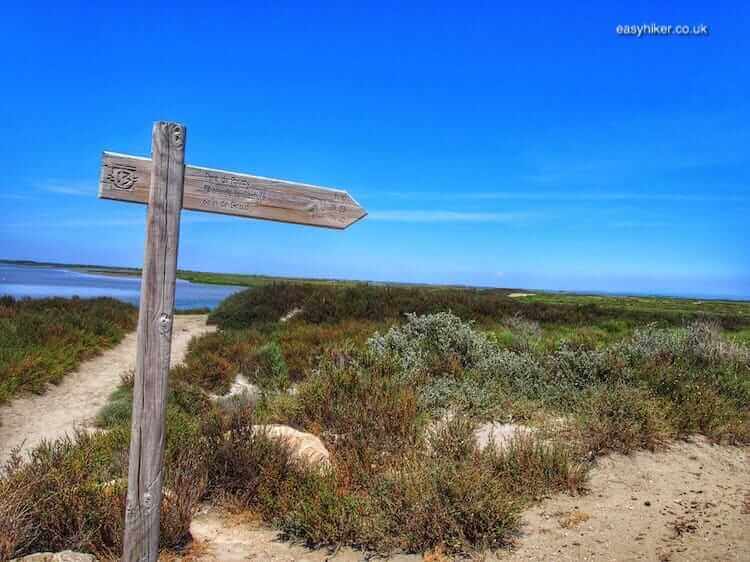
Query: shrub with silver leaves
x=700 y=342
x=433 y=339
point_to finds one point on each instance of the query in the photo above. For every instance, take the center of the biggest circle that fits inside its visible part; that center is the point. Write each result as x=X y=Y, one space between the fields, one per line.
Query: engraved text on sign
x=234 y=194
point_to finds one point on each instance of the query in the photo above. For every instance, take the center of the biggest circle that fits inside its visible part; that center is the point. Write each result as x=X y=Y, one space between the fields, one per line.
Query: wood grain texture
x=125 y=178
x=146 y=461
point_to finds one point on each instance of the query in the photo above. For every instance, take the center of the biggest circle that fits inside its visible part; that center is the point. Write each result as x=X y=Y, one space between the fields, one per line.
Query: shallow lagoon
x=38 y=282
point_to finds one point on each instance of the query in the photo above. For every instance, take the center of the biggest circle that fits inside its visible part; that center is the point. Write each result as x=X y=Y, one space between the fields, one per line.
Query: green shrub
x=183 y=400
x=266 y=367
x=699 y=407
x=251 y=466
x=530 y=467
x=320 y=513
x=16 y=520
x=623 y=419
x=42 y=340
x=700 y=344
x=117 y=410
x=70 y=494
x=213 y=360
x=432 y=346
x=368 y=416
x=526 y=335
x=443 y=503
x=304 y=344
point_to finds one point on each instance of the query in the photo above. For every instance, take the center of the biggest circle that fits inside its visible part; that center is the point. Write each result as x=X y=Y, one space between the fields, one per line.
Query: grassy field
x=43 y=340
x=395 y=380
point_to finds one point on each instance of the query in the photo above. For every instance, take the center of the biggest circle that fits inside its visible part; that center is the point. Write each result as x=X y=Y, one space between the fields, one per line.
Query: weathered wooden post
x=145 y=472
x=172 y=187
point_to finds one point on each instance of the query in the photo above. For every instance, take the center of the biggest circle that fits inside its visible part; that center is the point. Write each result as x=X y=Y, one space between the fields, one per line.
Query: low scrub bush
x=213 y=360
x=70 y=494
x=698 y=407
x=16 y=522
x=440 y=502
x=662 y=382
x=304 y=344
x=530 y=467
x=185 y=405
x=267 y=367
x=700 y=344
x=258 y=471
x=623 y=419
x=432 y=346
x=473 y=394
x=368 y=416
x=521 y=334
x=44 y=339
x=451 y=495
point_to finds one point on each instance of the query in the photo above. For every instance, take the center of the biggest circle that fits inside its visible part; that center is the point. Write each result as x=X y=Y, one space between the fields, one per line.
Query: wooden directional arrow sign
x=128 y=178
x=167 y=185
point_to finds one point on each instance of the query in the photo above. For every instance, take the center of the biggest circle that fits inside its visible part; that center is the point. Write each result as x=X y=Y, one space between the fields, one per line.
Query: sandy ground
x=76 y=400
x=691 y=502
x=221 y=537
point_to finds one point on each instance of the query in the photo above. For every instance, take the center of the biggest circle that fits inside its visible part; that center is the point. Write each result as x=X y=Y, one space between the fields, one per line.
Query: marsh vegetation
x=42 y=340
x=396 y=381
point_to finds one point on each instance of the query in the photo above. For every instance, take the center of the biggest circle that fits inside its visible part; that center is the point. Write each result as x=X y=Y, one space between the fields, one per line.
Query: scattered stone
x=64 y=556
x=242 y=393
x=289 y=315
x=305 y=446
x=573 y=519
x=501 y=434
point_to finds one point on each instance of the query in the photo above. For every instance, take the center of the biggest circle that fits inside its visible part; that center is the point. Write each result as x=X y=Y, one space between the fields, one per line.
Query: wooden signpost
x=168 y=186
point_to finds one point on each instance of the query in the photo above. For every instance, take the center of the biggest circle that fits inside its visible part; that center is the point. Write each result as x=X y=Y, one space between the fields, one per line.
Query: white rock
x=291 y=314
x=499 y=433
x=241 y=393
x=305 y=446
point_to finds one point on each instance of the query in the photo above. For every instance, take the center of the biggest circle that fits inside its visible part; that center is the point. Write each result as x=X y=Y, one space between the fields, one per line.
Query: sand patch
x=76 y=400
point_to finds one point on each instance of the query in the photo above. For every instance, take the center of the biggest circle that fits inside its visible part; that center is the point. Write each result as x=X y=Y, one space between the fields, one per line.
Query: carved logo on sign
x=122 y=178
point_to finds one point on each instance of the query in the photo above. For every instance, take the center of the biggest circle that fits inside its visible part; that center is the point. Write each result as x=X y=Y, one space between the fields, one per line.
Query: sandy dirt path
x=76 y=400
x=691 y=502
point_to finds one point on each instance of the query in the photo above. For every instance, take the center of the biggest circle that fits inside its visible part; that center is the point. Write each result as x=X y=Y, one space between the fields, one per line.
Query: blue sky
x=523 y=145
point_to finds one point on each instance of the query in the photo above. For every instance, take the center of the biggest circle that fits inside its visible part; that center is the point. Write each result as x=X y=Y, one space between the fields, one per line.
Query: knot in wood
x=131 y=511
x=177 y=132
x=148 y=502
x=165 y=323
